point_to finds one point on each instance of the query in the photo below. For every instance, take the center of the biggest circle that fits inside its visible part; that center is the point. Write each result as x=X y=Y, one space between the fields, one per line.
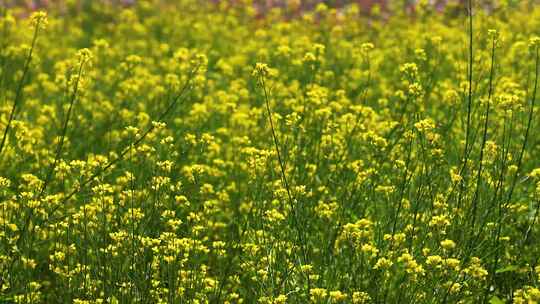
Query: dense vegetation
x=178 y=152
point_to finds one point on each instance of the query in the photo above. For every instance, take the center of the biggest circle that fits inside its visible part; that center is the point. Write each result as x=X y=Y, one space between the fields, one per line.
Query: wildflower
x=493 y=34
x=318 y=294
x=452 y=263
x=4 y=183
x=476 y=270
x=309 y=57
x=281 y=299
x=366 y=47
x=261 y=70
x=200 y=60
x=84 y=55
x=411 y=266
x=337 y=296
x=420 y=54
x=274 y=216
x=383 y=263
x=425 y=125
x=101 y=44
x=534 y=42
x=321 y=8
x=318 y=49
x=448 y=244
x=39 y=19
x=453 y=287
x=434 y=261
x=360 y=297
x=306 y=268
x=535 y=174
x=439 y=221
x=326 y=210
x=454 y=176
x=409 y=70
x=28 y=263
x=527 y=295
x=369 y=249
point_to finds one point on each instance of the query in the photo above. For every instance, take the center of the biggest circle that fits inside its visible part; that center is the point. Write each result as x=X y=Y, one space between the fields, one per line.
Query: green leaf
x=496 y=300
x=507 y=269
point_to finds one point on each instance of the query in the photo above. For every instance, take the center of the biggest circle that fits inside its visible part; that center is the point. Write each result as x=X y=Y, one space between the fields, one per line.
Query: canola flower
x=182 y=152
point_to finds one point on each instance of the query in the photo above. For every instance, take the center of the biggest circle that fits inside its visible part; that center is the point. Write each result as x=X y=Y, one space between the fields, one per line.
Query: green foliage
x=173 y=151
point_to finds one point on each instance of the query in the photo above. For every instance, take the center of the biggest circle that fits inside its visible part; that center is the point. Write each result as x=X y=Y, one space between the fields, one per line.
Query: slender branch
x=520 y=158
x=124 y=151
x=276 y=144
x=484 y=138
x=294 y=210
x=52 y=167
x=527 y=131
x=469 y=107
x=18 y=92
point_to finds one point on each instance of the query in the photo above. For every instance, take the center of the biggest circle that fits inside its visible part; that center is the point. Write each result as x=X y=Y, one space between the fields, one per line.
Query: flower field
x=230 y=152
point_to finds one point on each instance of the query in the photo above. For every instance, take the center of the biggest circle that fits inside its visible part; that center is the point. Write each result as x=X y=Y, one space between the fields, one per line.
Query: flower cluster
x=183 y=152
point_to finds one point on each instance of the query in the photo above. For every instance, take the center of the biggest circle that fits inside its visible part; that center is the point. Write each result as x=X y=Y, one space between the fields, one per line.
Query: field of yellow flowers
x=211 y=152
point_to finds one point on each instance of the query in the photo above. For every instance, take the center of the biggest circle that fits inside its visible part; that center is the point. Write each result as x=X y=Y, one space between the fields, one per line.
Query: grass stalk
x=20 y=85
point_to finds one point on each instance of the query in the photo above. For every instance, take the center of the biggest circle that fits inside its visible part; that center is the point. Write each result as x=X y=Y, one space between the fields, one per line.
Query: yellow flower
x=360 y=297
x=337 y=296
x=448 y=244
x=434 y=260
x=28 y=263
x=383 y=263
x=318 y=294
x=534 y=42
x=39 y=19
x=261 y=70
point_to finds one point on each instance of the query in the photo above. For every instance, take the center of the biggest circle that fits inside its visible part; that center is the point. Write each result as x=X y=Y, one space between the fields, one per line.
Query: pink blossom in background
x=263 y=6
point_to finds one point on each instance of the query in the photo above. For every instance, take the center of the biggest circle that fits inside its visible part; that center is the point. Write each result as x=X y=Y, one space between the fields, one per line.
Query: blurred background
x=299 y=6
